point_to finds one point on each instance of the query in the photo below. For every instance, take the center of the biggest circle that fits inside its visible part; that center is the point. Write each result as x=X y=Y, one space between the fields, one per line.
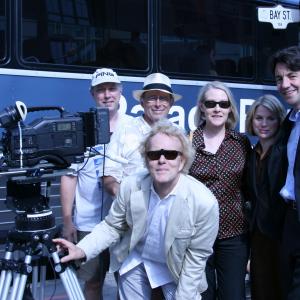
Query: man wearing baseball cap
x=85 y=188
x=156 y=98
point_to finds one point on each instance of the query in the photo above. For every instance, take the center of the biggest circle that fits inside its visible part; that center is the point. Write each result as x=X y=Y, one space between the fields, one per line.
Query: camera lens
x=11 y=115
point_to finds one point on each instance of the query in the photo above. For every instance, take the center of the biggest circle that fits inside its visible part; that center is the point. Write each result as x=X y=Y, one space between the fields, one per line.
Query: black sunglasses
x=168 y=154
x=212 y=104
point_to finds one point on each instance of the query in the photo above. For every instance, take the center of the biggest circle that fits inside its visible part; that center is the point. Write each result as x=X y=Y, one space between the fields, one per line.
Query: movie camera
x=58 y=140
x=33 y=154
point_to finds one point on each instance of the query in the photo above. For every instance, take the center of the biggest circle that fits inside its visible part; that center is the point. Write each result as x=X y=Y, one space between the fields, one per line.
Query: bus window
x=208 y=37
x=3 y=43
x=85 y=33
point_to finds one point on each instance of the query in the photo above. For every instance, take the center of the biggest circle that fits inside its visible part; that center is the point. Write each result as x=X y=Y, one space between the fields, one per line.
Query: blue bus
x=50 y=48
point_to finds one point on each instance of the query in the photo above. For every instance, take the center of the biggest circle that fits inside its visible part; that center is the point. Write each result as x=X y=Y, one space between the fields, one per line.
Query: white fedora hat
x=156 y=82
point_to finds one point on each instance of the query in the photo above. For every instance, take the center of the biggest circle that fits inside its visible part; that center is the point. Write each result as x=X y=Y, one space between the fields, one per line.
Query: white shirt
x=124 y=144
x=288 y=190
x=150 y=250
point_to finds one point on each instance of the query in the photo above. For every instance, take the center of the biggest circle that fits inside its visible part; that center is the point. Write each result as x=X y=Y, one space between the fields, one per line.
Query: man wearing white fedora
x=156 y=98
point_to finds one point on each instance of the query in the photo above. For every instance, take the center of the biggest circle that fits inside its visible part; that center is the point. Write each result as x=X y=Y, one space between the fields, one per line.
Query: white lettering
x=177 y=114
x=191 y=121
x=244 y=105
x=123 y=105
x=136 y=109
x=180 y=118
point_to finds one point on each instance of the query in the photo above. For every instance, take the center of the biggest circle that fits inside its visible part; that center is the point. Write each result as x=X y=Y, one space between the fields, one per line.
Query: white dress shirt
x=150 y=250
x=288 y=190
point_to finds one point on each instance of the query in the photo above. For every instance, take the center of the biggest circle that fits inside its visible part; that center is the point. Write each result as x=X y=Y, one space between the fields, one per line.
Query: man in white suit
x=164 y=223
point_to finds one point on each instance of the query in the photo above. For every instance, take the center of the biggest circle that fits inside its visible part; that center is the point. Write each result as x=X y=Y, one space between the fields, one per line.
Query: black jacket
x=266 y=210
x=280 y=159
x=277 y=171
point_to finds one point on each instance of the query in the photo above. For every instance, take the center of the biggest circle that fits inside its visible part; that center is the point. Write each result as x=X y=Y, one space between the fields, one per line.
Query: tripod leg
x=15 y=286
x=68 y=279
x=6 y=285
x=35 y=279
x=42 y=281
x=39 y=275
x=74 y=281
x=6 y=277
x=19 y=287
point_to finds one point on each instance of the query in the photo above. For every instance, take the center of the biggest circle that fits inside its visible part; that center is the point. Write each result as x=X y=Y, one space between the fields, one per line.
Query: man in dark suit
x=286 y=160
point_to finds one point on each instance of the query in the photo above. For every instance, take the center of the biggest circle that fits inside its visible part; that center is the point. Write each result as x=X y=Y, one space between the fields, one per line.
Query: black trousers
x=265 y=270
x=226 y=269
x=291 y=255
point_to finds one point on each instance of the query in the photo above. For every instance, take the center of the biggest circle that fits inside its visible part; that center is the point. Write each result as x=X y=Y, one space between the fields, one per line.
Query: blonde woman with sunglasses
x=219 y=163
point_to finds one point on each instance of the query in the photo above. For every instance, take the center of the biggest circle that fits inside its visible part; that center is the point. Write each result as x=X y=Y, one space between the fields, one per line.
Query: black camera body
x=58 y=140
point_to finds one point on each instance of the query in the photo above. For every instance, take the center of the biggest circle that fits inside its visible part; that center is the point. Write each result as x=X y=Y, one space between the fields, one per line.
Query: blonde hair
x=166 y=127
x=272 y=104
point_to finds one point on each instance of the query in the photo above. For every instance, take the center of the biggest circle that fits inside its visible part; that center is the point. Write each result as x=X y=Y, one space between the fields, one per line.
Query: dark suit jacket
x=279 y=163
x=266 y=206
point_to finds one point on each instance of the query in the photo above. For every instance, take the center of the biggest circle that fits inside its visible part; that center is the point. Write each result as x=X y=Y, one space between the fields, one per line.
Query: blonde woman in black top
x=267 y=208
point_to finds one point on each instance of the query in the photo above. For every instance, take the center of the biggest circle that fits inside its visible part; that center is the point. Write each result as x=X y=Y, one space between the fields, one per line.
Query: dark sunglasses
x=168 y=154
x=212 y=104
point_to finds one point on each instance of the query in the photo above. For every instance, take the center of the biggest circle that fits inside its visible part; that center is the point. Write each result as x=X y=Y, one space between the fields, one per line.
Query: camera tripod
x=35 y=228
x=18 y=270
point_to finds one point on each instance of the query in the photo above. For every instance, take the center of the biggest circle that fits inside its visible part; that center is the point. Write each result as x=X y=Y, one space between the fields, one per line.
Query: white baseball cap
x=104 y=75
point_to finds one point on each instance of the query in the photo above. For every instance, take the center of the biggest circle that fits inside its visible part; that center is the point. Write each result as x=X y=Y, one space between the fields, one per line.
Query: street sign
x=278 y=15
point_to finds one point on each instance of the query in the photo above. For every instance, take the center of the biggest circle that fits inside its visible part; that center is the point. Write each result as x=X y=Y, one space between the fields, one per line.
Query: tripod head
x=32 y=209
x=26 y=198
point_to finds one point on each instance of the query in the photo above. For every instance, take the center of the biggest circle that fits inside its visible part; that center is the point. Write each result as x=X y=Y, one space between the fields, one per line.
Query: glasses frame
x=212 y=104
x=154 y=98
x=168 y=154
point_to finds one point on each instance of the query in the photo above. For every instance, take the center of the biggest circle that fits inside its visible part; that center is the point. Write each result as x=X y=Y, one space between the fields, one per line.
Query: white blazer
x=191 y=230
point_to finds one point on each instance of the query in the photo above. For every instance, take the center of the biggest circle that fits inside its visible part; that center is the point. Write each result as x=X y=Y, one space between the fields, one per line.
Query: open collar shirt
x=150 y=250
x=288 y=190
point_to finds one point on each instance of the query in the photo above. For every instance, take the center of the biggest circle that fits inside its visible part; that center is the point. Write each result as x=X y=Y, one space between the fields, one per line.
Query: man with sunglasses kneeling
x=164 y=223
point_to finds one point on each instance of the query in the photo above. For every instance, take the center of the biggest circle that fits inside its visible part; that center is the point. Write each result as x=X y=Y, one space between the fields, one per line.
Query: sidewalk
x=109 y=291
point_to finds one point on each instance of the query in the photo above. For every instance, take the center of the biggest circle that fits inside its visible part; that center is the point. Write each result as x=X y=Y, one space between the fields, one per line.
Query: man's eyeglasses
x=168 y=154
x=154 y=98
x=212 y=104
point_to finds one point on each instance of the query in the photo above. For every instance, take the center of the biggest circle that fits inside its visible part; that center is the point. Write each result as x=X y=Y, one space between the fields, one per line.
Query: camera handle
x=42 y=108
